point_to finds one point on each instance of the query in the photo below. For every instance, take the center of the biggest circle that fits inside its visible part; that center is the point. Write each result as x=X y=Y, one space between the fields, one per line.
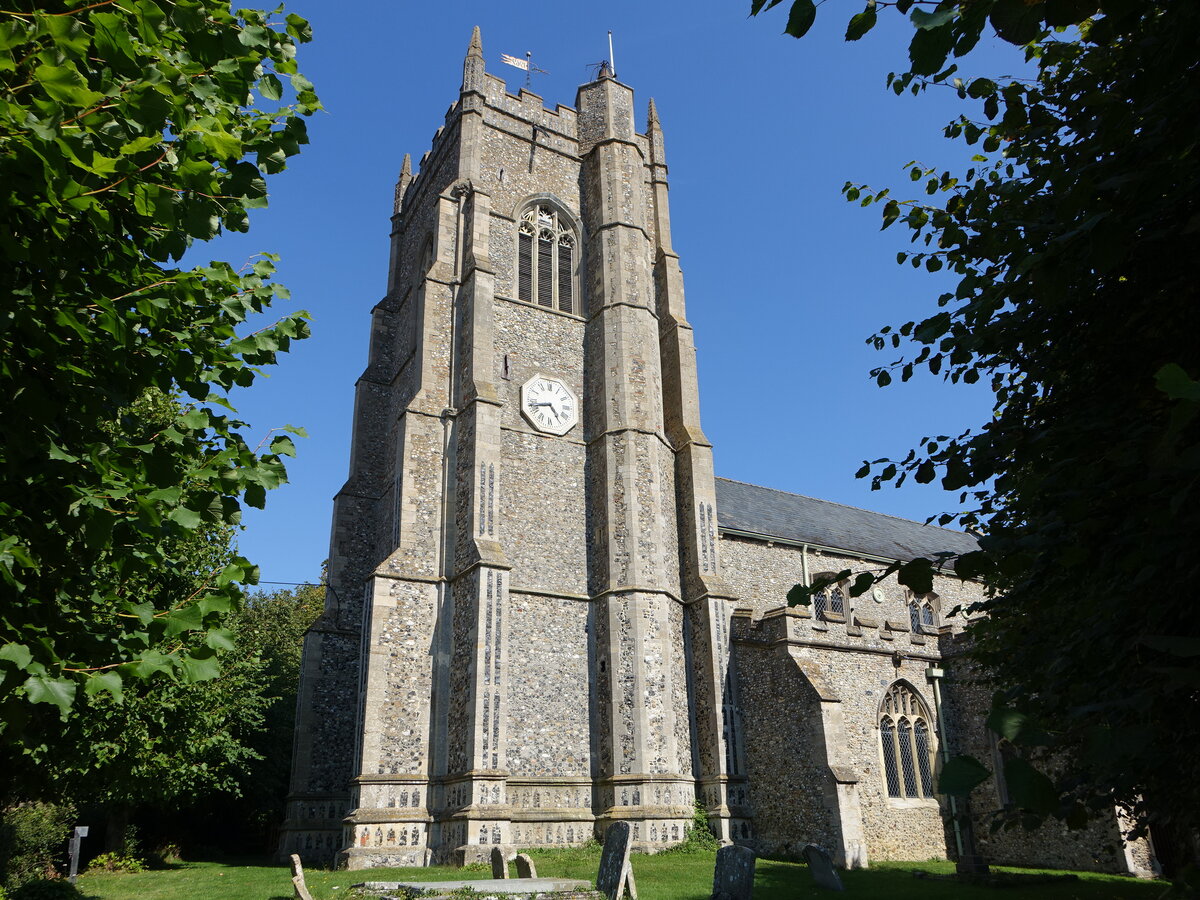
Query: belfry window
x=546 y=259
x=906 y=742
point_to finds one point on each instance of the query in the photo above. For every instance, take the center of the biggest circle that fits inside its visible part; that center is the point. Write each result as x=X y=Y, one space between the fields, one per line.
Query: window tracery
x=547 y=255
x=829 y=599
x=906 y=741
x=921 y=615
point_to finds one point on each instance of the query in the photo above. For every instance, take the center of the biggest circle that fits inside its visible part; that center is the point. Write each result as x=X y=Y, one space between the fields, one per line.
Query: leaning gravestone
x=733 y=877
x=821 y=866
x=298 y=884
x=499 y=863
x=615 y=877
x=525 y=866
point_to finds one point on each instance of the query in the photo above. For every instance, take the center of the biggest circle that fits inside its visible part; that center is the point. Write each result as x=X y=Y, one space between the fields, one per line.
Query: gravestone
x=821 y=866
x=615 y=877
x=499 y=863
x=733 y=877
x=298 y=884
x=525 y=866
x=81 y=831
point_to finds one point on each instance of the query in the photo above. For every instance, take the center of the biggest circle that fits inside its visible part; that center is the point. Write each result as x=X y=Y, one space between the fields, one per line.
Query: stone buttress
x=642 y=734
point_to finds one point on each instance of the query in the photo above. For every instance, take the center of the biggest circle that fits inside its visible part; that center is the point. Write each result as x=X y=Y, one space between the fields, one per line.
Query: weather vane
x=525 y=64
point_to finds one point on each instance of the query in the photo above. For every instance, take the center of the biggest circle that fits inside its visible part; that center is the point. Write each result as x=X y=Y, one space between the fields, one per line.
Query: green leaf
x=1173 y=381
x=222 y=145
x=1007 y=723
x=200 y=665
x=933 y=19
x=187 y=618
x=1028 y=788
x=152 y=662
x=187 y=518
x=757 y=6
x=220 y=639
x=46 y=689
x=17 y=654
x=929 y=47
x=861 y=23
x=270 y=87
x=66 y=85
x=109 y=681
x=799 y=595
x=299 y=28
x=917 y=574
x=961 y=775
x=801 y=17
x=1016 y=21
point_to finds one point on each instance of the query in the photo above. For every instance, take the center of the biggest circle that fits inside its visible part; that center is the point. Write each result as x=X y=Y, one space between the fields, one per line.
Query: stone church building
x=545 y=612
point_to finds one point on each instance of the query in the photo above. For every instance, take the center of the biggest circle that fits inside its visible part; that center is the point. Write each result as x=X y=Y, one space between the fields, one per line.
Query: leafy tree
x=127 y=131
x=271 y=628
x=220 y=746
x=1071 y=240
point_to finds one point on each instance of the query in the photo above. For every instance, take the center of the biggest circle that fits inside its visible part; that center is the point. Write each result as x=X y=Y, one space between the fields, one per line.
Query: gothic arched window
x=921 y=615
x=906 y=740
x=829 y=599
x=547 y=254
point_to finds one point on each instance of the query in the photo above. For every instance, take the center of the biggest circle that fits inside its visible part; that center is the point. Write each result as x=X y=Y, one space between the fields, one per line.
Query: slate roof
x=793 y=517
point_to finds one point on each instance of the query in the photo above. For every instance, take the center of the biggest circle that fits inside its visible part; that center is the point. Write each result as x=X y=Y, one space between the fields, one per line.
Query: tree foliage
x=1069 y=246
x=127 y=131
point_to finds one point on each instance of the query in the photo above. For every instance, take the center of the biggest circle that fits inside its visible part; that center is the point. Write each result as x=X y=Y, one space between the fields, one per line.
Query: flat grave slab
x=481 y=886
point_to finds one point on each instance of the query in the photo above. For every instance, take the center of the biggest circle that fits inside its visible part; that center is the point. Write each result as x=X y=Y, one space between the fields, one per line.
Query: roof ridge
x=846 y=506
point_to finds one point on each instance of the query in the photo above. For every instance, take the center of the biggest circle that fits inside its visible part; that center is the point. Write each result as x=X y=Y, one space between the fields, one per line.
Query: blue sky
x=785 y=280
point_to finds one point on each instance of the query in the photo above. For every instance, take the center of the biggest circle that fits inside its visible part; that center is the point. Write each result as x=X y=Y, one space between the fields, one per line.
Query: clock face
x=549 y=405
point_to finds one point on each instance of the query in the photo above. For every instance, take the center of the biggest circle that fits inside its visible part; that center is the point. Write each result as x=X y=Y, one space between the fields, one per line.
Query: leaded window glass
x=837 y=600
x=906 y=743
x=914 y=616
x=904 y=739
x=546 y=259
x=887 y=734
x=820 y=603
x=829 y=599
x=921 y=739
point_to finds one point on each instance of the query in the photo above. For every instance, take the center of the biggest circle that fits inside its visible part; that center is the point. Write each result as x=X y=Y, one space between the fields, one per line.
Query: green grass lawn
x=668 y=876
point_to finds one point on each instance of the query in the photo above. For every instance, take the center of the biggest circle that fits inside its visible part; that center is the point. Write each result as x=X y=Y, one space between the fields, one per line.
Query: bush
x=700 y=837
x=56 y=889
x=116 y=862
x=127 y=859
x=33 y=837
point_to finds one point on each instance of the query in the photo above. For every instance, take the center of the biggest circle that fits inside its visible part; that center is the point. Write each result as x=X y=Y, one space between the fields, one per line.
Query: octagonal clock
x=549 y=405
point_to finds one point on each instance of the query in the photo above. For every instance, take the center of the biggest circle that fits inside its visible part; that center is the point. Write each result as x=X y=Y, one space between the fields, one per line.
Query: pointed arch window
x=547 y=256
x=921 y=614
x=906 y=741
x=830 y=601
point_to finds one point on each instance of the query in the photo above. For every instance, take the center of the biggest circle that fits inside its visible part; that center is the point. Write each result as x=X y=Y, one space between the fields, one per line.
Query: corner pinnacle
x=652 y=116
x=476 y=48
x=406 y=166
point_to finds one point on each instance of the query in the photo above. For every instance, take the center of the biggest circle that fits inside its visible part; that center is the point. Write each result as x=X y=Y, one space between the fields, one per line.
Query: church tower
x=526 y=635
